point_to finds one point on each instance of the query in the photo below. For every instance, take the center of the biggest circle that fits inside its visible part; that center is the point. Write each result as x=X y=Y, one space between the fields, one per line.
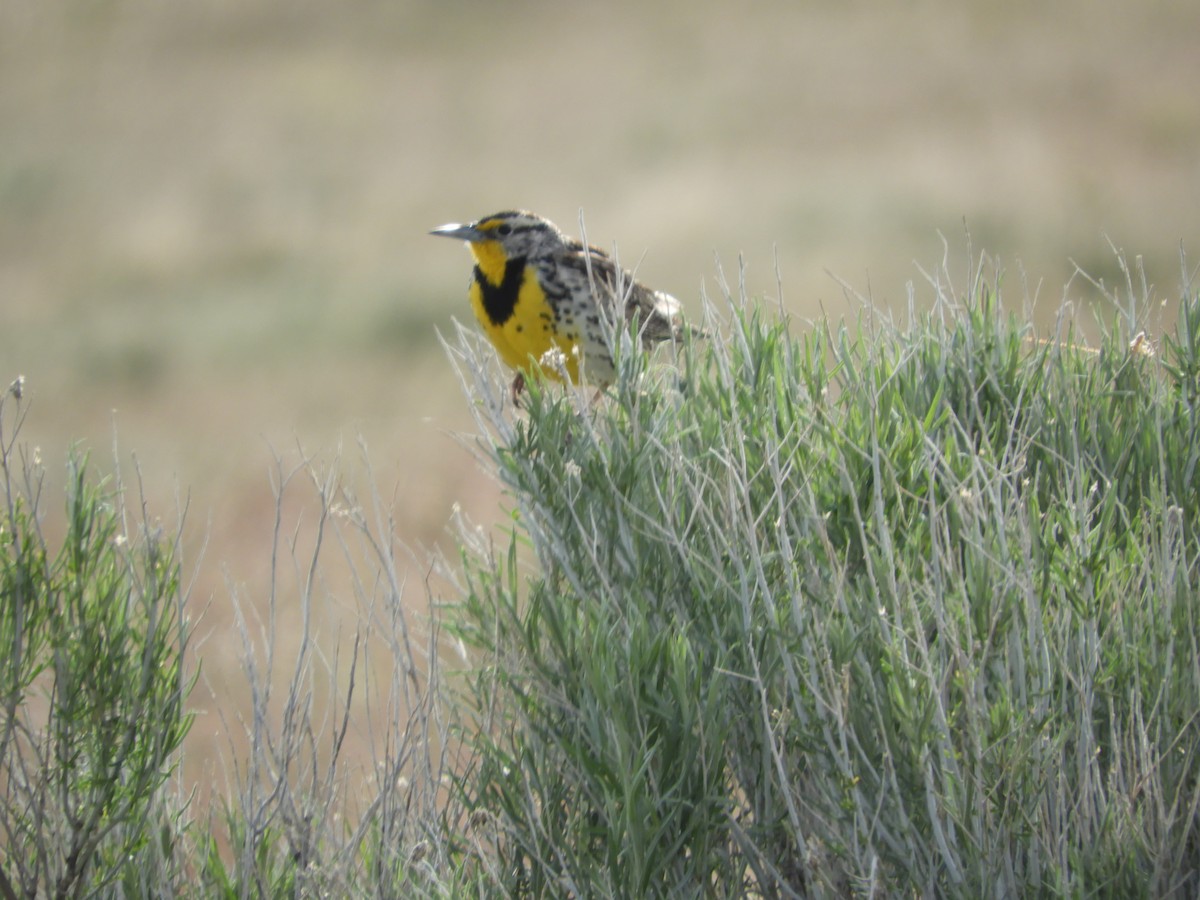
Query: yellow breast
x=513 y=311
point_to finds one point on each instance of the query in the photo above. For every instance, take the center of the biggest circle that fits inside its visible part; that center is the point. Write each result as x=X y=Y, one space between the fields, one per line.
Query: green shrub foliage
x=91 y=690
x=879 y=610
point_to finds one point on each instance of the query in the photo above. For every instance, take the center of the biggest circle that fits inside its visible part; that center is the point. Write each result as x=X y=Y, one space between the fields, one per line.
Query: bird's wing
x=658 y=314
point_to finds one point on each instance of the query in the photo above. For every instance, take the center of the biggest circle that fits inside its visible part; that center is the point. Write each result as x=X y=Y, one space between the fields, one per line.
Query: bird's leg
x=518 y=388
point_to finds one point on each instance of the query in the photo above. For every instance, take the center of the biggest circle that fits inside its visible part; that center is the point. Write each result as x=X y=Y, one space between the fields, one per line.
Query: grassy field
x=876 y=610
x=212 y=215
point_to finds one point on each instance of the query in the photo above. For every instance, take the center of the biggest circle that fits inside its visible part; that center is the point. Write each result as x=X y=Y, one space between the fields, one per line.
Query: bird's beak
x=462 y=232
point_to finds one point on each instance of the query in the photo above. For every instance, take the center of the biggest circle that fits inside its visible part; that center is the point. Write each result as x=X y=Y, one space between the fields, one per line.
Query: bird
x=535 y=290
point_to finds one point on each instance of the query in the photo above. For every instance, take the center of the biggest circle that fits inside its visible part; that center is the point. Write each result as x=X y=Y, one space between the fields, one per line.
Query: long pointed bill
x=462 y=232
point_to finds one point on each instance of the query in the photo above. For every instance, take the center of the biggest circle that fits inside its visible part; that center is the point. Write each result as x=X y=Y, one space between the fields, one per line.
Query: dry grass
x=212 y=215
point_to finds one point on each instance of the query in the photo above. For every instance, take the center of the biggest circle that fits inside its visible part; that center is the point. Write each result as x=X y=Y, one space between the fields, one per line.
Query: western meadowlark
x=536 y=290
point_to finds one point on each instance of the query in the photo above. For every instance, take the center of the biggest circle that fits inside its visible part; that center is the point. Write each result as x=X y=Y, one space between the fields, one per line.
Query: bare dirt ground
x=213 y=214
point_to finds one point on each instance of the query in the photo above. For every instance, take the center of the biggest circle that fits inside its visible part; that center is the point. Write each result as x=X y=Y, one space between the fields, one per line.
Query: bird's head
x=513 y=234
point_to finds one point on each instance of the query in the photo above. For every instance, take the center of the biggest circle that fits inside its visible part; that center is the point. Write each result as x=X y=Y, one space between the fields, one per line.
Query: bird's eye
x=504 y=230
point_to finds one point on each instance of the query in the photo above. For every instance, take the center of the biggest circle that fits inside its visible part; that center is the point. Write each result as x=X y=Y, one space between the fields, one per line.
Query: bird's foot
x=517 y=389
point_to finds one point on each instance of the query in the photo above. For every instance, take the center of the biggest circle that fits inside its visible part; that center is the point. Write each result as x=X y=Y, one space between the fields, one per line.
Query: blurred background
x=213 y=214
